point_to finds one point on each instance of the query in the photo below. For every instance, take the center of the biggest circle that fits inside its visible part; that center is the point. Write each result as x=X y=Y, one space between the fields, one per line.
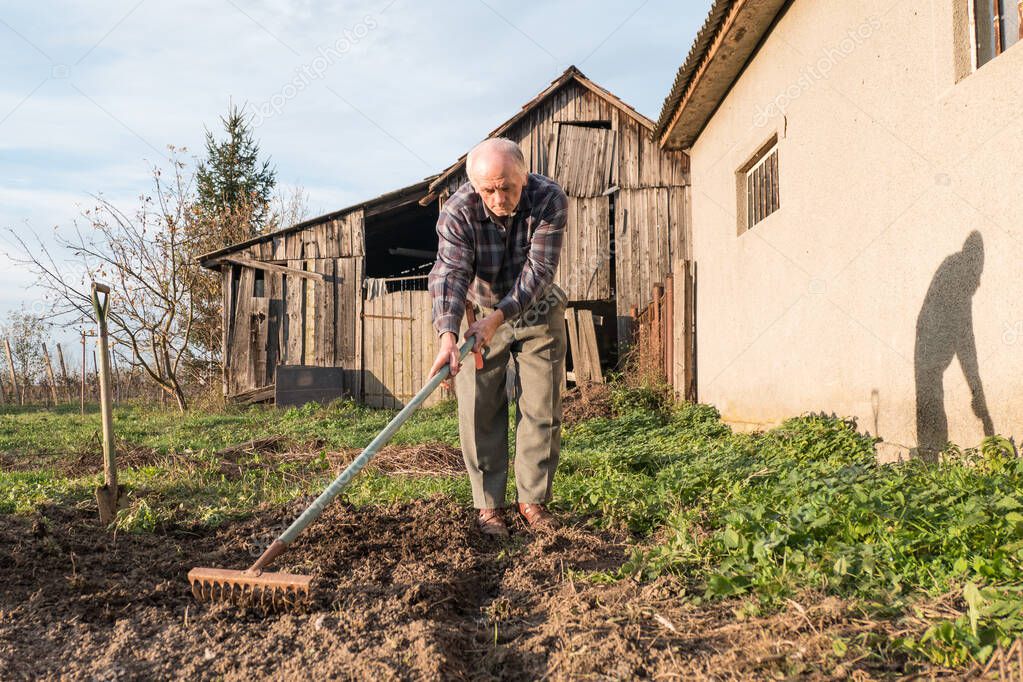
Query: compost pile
x=409 y=591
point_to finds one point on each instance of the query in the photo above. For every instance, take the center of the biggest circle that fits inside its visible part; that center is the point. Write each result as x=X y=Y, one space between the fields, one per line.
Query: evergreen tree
x=234 y=188
x=234 y=194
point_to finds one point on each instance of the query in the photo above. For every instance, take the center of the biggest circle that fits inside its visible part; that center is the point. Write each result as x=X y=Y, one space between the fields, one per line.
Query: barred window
x=759 y=187
x=998 y=25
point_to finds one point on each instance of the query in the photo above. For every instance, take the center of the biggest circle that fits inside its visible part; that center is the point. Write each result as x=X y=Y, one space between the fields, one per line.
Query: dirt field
x=411 y=591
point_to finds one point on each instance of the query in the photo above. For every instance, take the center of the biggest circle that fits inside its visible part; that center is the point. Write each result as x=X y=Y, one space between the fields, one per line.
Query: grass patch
x=807 y=506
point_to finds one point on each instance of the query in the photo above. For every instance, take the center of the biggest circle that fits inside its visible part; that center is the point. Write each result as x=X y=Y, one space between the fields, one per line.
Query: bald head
x=498 y=172
x=495 y=153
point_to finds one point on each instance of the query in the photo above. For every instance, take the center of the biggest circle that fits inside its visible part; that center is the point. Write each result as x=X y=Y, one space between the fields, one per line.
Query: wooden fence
x=664 y=347
x=53 y=379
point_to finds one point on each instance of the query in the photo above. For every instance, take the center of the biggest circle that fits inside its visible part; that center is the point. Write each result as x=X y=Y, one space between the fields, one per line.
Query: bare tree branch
x=148 y=257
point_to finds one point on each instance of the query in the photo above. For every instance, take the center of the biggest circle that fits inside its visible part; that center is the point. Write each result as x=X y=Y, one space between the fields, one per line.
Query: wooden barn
x=304 y=315
x=337 y=305
x=628 y=199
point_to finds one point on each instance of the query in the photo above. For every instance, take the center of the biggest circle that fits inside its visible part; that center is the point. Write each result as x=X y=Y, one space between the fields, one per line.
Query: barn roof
x=727 y=41
x=375 y=206
x=571 y=74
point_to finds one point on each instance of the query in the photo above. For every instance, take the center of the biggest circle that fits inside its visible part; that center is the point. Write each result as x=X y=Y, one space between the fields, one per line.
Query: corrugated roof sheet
x=704 y=39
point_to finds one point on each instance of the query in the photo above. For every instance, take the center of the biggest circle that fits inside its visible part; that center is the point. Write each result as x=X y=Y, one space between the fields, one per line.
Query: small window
x=758 y=185
x=259 y=284
x=998 y=26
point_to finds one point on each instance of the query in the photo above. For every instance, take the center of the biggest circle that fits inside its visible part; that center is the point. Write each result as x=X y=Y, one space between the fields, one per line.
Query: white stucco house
x=857 y=213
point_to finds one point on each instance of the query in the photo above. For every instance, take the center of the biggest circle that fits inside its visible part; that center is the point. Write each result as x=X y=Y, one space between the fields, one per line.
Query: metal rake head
x=245 y=588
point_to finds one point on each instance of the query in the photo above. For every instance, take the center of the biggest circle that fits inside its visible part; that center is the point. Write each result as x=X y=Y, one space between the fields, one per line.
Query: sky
x=348 y=100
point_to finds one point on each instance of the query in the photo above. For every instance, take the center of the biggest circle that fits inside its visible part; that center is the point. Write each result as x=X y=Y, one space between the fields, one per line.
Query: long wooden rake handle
x=314 y=510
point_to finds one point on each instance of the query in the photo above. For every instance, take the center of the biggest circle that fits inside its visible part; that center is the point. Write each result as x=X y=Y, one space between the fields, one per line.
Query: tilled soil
x=410 y=591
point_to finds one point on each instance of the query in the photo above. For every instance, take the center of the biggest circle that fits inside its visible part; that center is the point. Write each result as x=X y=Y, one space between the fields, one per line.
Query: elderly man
x=499 y=242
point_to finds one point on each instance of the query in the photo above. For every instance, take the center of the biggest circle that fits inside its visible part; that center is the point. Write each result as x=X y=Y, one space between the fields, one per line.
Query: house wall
x=891 y=157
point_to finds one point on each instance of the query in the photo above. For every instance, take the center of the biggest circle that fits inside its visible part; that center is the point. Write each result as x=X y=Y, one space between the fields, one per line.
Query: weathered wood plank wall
x=400 y=345
x=297 y=320
x=584 y=273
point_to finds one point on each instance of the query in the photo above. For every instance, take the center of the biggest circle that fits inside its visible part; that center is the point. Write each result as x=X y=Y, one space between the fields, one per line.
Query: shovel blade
x=110 y=501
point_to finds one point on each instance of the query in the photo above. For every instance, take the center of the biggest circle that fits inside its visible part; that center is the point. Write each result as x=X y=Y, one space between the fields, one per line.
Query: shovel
x=110 y=496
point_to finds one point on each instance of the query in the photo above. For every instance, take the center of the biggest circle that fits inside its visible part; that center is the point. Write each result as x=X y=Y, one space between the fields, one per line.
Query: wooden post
x=95 y=375
x=587 y=336
x=564 y=363
x=226 y=273
x=656 y=330
x=689 y=332
x=580 y=368
x=49 y=375
x=63 y=374
x=669 y=329
x=10 y=369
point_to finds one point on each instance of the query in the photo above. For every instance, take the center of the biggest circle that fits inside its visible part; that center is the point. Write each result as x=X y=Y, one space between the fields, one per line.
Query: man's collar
x=524 y=206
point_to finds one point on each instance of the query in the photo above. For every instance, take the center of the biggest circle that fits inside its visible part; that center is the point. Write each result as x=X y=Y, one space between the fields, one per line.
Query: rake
x=255 y=584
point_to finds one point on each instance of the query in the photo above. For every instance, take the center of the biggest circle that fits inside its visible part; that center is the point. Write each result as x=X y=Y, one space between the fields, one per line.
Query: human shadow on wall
x=944 y=330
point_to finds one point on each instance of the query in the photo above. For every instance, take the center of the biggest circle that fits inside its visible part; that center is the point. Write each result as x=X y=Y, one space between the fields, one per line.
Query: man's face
x=499 y=182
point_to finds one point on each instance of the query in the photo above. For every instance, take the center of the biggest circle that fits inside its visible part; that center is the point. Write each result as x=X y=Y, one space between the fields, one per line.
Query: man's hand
x=447 y=355
x=484 y=330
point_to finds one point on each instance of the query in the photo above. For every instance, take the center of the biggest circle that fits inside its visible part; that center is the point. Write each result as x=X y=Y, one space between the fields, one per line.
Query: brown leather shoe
x=537 y=516
x=491 y=522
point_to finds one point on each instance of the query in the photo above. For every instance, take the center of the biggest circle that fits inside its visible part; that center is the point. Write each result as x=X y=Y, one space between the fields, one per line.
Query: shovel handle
x=314 y=510
x=106 y=403
x=100 y=306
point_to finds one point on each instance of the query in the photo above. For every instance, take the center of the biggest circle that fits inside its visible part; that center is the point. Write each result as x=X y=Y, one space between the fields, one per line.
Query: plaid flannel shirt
x=480 y=260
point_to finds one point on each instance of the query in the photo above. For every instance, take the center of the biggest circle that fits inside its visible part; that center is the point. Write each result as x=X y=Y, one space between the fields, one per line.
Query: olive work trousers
x=535 y=343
